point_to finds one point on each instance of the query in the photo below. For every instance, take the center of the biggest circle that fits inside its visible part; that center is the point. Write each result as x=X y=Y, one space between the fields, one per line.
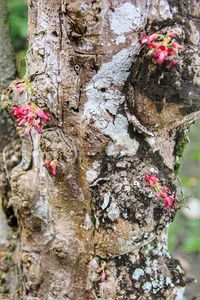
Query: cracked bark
x=95 y=220
x=8 y=278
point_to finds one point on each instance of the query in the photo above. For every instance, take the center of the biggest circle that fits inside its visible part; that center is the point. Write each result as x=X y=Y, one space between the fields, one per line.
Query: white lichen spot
x=120 y=39
x=148 y=262
x=155 y=265
x=88 y=223
x=165 y=12
x=168 y=281
x=102 y=106
x=112 y=72
x=97 y=223
x=179 y=292
x=151 y=194
x=161 y=249
x=94 y=264
x=126 y=18
x=91 y=175
x=160 y=10
x=178 y=268
x=150 y=140
x=137 y=184
x=94 y=172
x=147 y=286
x=152 y=170
x=148 y=270
x=113 y=212
x=125 y=215
x=118 y=131
x=106 y=201
x=137 y=273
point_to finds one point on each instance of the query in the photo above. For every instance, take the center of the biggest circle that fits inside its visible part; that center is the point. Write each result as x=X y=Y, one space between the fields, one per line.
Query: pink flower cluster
x=161 y=192
x=51 y=165
x=30 y=116
x=163 y=47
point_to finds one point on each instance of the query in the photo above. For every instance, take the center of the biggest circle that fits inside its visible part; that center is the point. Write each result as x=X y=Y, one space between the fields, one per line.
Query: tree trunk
x=96 y=230
x=7 y=133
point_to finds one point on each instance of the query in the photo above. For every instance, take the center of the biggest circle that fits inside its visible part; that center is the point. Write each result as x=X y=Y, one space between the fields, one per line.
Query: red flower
x=169 y=202
x=19 y=112
x=161 y=192
x=30 y=116
x=163 y=47
x=146 y=39
x=40 y=113
x=168 y=197
x=151 y=179
x=51 y=165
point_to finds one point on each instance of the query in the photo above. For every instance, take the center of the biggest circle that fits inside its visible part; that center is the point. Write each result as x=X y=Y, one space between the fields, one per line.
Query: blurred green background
x=18 y=14
x=184 y=233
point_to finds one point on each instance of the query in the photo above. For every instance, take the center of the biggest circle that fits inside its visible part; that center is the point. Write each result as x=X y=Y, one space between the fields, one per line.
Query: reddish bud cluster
x=51 y=165
x=161 y=192
x=30 y=116
x=20 y=87
x=152 y=180
x=101 y=271
x=163 y=47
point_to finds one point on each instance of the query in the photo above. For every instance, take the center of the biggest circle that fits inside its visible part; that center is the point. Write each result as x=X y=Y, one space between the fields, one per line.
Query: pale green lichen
x=157 y=280
x=138 y=273
x=179 y=292
x=161 y=250
x=147 y=286
x=113 y=212
x=168 y=281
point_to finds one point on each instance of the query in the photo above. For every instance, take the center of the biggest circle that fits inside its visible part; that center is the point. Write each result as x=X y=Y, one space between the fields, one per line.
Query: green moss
x=181 y=141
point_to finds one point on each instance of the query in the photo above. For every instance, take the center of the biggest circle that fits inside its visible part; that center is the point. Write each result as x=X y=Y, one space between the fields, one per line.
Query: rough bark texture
x=7 y=160
x=97 y=218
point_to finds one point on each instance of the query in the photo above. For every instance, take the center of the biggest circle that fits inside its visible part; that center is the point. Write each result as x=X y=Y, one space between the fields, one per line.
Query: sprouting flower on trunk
x=30 y=116
x=161 y=192
x=152 y=180
x=51 y=166
x=164 y=48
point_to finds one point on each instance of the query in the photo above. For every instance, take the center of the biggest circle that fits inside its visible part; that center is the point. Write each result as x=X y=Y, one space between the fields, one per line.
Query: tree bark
x=94 y=231
x=8 y=280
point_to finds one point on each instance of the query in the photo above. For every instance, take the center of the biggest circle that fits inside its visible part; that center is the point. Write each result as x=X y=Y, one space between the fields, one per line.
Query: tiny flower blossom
x=160 y=192
x=51 y=165
x=169 y=202
x=152 y=180
x=163 y=47
x=30 y=116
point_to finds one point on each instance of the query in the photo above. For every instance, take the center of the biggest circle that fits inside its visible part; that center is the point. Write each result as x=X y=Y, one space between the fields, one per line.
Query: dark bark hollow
x=96 y=230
